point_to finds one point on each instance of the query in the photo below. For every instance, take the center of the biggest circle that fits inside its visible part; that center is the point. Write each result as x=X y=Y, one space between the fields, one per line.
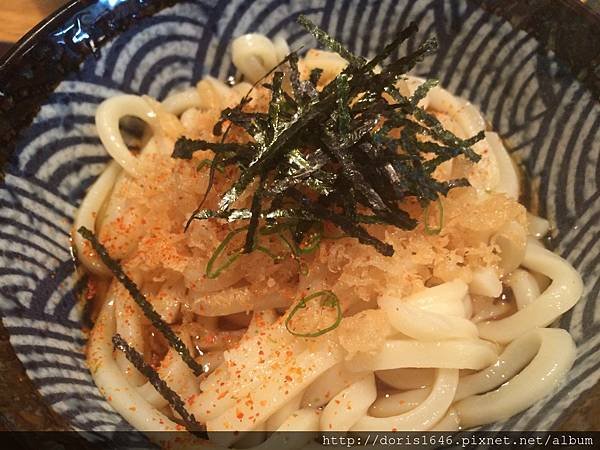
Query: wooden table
x=17 y=17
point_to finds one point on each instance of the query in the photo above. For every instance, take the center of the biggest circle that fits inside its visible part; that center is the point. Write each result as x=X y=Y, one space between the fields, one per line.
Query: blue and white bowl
x=551 y=121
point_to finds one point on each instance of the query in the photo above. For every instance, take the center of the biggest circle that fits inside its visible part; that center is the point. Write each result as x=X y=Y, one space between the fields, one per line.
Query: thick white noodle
x=181 y=101
x=167 y=302
x=329 y=384
x=451 y=354
x=511 y=240
x=405 y=379
x=129 y=326
x=485 y=282
x=152 y=396
x=450 y=422
x=112 y=383
x=257 y=355
x=348 y=406
x=562 y=294
x=485 y=175
x=213 y=92
x=232 y=300
x=445 y=298
x=260 y=319
x=509 y=179
x=252 y=439
x=424 y=416
x=305 y=420
x=87 y=214
x=487 y=308
x=253 y=55
x=282 y=49
x=394 y=404
x=537 y=226
x=280 y=416
x=209 y=94
x=524 y=287
x=432 y=314
x=176 y=373
x=278 y=387
x=511 y=361
x=468 y=306
x=542 y=376
x=496 y=171
x=108 y=115
x=211 y=360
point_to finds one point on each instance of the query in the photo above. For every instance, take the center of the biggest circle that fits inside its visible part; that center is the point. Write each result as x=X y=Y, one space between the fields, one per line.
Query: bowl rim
x=28 y=40
x=55 y=48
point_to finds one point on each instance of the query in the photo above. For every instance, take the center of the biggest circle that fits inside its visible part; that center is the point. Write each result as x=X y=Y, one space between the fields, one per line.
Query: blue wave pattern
x=551 y=122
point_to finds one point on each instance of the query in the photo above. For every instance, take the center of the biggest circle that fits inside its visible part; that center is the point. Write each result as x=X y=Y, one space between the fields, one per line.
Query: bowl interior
x=549 y=120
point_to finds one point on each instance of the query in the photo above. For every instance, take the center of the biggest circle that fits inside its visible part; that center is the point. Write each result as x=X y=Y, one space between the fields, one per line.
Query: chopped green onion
x=310 y=244
x=329 y=300
x=306 y=246
x=266 y=251
x=275 y=228
x=211 y=271
x=207 y=163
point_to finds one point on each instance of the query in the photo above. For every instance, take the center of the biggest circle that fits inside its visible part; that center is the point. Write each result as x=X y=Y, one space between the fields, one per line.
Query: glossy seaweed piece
x=330 y=152
x=185 y=148
x=174 y=341
x=137 y=359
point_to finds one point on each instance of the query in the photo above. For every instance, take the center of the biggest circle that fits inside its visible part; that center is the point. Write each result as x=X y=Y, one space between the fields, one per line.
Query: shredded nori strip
x=393 y=45
x=185 y=148
x=330 y=155
x=255 y=211
x=345 y=224
x=135 y=358
x=315 y=75
x=146 y=307
x=217 y=131
x=329 y=42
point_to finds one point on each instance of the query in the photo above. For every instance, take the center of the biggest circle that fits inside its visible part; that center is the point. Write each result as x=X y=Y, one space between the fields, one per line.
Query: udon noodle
x=451 y=332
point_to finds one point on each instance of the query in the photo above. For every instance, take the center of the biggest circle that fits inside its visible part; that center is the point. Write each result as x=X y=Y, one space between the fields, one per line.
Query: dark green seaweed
x=135 y=358
x=330 y=156
x=146 y=307
x=185 y=148
x=327 y=41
